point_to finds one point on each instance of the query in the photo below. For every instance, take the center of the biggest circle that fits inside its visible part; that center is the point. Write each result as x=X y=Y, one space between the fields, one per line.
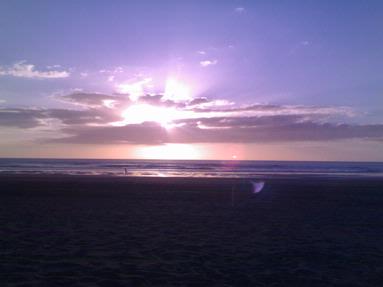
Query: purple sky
x=298 y=80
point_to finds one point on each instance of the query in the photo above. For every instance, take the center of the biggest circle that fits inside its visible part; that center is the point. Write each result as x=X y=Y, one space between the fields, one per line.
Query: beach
x=136 y=231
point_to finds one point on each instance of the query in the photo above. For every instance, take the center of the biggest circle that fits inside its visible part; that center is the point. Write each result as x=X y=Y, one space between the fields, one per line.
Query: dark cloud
x=237 y=130
x=273 y=129
x=96 y=123
x=21 y=118
x=233 y=122
x=276 y=109
x=93 y=99
x=158 y=100
x=76 y=117
x=198 y=101
x=31 y=118
x=145 y=133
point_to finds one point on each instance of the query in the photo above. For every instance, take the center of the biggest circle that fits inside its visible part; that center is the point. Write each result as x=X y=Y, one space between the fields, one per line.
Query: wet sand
x=109 y=231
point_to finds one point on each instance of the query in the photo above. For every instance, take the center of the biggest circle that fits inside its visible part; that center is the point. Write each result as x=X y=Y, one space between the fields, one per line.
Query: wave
x=187 y=168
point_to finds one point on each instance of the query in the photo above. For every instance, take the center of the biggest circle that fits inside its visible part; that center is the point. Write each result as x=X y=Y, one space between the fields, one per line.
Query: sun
x=176 y=91
x=139 y=112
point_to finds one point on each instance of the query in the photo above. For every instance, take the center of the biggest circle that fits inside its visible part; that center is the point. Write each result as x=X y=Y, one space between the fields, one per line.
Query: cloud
x=227 y=108
x=208 y=63
x=239 y=9
x=20 y=118
x=85 y=117
x=199 y=101
x=228 y=130
x=273 y=129
x=94 y=100
x=32 y=118
x=112 y=72
x=109 y=119
x=145 y=133
x=160 y=100
x=24 y=70
x=299 y=46
x=134 y=89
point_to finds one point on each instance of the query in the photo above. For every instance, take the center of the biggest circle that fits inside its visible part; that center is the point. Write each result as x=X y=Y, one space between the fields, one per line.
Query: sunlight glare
x=176 y=91
x=138 y=114
x=135 y=90
x=169 y=151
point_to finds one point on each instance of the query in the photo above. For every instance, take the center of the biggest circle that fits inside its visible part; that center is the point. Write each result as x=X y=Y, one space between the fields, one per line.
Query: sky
x=243 y=80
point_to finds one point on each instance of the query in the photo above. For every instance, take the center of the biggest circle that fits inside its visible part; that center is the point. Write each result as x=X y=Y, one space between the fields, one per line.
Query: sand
x=108 y=231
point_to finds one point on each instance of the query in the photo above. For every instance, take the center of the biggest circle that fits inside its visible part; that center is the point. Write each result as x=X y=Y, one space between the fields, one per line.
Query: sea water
x=188 y=168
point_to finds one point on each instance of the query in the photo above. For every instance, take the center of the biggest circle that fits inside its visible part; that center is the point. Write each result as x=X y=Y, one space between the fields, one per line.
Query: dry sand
x=108 y=231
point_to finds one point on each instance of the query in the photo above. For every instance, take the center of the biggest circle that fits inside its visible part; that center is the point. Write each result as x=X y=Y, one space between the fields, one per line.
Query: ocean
x=188 y=168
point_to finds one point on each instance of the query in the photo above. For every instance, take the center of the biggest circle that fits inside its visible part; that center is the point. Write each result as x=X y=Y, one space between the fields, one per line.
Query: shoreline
x=276 y=176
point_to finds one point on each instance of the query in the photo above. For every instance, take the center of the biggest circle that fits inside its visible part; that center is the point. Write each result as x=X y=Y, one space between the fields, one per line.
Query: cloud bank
x=106 y=119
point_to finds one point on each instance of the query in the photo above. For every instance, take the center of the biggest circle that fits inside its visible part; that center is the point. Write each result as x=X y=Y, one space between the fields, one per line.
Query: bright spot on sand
x=169 y=151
